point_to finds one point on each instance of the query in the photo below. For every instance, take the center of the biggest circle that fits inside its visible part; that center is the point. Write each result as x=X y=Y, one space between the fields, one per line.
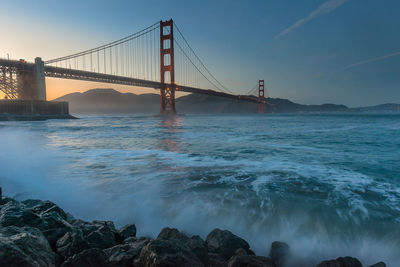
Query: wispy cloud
x=372 y=60
x=323 y=9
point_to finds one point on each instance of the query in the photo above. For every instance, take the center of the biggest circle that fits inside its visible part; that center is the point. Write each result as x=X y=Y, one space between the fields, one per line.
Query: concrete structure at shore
x=24 y=86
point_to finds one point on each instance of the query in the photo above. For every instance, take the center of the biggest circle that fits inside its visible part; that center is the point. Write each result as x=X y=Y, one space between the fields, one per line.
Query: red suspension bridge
x=156 y=57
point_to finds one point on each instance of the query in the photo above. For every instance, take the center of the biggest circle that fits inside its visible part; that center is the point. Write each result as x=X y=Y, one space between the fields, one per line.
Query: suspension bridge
x=158 y=57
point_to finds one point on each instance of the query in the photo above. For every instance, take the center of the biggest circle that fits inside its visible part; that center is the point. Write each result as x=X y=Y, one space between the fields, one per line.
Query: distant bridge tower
x=261 y=99
x=167 y=66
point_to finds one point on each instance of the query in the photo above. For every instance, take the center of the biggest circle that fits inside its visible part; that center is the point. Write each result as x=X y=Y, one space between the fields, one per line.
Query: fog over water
x=329 y=185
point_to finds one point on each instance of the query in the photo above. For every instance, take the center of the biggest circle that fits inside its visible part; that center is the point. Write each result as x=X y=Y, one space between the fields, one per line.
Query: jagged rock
x=215 y=260
x=24 y=246
x=87 y=258
x=250 y=260
x=198 y=246
x=97 y=234
x=13 y=213
x=71 y=243
x=172 y=234
x=125 y=254
x=341 y=262
x=225 y=243
x=103 y=237
x=44 y=215
x=162 y=252
x=240 y=252
x=379 y=264
x=195 y=243
x=127 y=231
x=279 y=253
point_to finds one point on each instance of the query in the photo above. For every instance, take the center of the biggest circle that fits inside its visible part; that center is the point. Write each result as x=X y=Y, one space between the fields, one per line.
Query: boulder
x=127 y=231
x=225 y=243
x=341 y=262
x=216 y=260
x=199 y=248
x=103 y=237
x=24 y=246
x=97 y=234
x=250 y=260
x=172 y=234
x=87 y=258
x=125 y=254
x=195 y=243
x=14 y=213
x=71 y=243
x=279 y=253
x=379 y=264
x=44 y=215
x=162 y=252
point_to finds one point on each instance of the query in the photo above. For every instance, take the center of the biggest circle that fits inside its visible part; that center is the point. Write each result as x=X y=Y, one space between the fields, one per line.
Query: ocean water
x=329 y=185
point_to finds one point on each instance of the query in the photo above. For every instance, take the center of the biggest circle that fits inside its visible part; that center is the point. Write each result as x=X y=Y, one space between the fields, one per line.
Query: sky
x=309 y=51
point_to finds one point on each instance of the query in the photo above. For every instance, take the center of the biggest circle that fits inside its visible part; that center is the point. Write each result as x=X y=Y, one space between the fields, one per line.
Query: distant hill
x=101 y=101
x=390 y=107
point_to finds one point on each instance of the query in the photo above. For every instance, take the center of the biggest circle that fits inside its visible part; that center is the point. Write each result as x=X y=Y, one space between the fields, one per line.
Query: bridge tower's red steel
x=261 y=99
x=167 y=67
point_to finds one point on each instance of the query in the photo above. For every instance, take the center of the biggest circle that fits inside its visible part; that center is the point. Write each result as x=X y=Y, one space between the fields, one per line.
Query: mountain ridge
x=108 y=100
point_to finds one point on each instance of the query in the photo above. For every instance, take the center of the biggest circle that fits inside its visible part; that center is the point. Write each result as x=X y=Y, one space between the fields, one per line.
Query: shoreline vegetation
x=39 y=233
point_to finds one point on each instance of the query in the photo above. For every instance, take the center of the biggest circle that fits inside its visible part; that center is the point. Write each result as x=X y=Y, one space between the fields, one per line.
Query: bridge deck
x=65 y=73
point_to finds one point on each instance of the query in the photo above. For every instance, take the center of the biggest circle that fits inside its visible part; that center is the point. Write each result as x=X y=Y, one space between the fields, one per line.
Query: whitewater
x=327 y=184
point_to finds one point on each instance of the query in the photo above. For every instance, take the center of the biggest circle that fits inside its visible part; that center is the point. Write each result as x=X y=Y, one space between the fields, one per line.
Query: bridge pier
x=167 y=67
x=31 y=82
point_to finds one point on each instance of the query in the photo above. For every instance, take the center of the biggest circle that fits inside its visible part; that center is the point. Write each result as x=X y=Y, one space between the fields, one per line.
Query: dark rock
x=240 y=252
x=225 y=243
x=341 y=262
x=87 y=258
x=299 y=262
x=199 y=248
x=250 y=260
x=71 y=243
x=162 y=252
x=14 y=213
x=125 y=254
x=127 y=231
x=379 y=264
x=97 y=234
x=172 y=234
x=103 y=237
x=215 y=260
x=44 y=215
x=279 y=253
x=24 y=246
x=195 y=243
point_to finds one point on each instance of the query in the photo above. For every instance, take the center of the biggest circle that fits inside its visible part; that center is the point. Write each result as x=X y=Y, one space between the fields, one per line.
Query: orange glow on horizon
x=59 y=87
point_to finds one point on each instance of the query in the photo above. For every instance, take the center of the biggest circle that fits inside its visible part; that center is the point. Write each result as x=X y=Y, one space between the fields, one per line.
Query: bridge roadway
x=65 y=73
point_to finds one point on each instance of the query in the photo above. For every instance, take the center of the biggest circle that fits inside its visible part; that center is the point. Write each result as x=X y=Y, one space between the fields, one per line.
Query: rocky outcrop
x=24 y=246
x=225 y=243
x=39 y=233
x=279 y=253
x=341 y=262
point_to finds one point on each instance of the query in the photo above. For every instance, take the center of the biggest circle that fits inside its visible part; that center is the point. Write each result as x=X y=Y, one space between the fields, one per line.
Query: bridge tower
x=31 y=82
x=261 y=99
x=167 y=67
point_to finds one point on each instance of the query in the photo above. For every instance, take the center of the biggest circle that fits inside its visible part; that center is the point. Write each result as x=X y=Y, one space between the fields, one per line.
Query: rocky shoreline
x=39 y=233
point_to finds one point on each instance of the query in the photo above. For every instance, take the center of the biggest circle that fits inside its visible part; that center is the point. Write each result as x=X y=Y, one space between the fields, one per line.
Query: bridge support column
x=31 y=82
x=167 y=67
x=40 y=79
x=261 y=98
